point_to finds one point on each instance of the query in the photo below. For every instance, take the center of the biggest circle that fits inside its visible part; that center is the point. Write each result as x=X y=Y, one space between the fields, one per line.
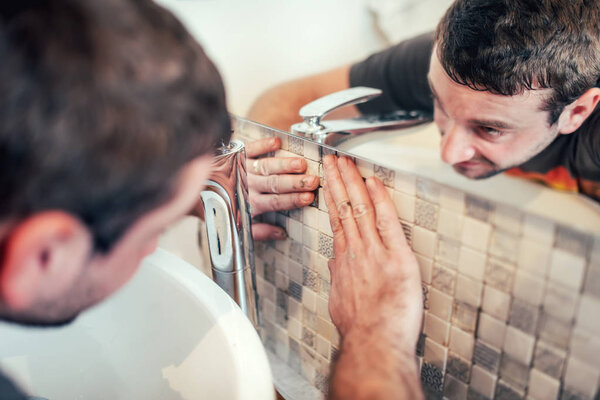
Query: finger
x=262 y=232
x=261 y=203
x=262 y=146
x=283 y=183
x=276 y=165
x=339 y=239
x=362 y=206
x=341 y=202
x=388 y=225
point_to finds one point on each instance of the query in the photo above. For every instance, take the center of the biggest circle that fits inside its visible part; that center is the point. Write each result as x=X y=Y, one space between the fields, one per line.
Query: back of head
x=103 y=102
x=509 y=46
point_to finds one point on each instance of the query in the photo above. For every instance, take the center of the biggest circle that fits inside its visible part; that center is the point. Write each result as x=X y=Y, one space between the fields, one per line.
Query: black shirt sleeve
x=8 y=390
x=401 y=72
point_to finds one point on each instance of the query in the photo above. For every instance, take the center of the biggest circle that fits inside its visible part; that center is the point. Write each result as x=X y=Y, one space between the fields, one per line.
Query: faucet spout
x=226 y=211
x=332 y=132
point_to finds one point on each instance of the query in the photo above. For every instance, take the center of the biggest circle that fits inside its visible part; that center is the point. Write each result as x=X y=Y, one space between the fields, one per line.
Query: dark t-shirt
x=8 y=391
x=570 y=162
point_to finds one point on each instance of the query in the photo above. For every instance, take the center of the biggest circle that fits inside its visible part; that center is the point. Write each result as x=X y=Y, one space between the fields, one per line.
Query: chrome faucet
x=229 y=246
x=332 y=132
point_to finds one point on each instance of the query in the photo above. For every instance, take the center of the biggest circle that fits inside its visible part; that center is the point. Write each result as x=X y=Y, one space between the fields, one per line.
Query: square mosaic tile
x=511 y=299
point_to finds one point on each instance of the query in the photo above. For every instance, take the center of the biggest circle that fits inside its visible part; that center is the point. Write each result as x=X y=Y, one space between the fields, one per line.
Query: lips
x=467 y=164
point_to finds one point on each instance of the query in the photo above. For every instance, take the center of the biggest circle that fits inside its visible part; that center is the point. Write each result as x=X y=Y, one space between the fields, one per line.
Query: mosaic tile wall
x=512 y=301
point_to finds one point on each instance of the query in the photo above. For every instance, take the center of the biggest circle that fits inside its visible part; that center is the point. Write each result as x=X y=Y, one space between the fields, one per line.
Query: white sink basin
x=417 y=151
x=171 y=333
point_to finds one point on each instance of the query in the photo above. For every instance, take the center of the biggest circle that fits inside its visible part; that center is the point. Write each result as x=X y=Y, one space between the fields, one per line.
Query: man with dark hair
x=513 y=86
x=109 y=117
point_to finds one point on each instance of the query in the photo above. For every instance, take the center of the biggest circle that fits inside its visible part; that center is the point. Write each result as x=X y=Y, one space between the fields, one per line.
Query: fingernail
x=297 y=164
x=273 y=141
x=306 y=197
x=279 y=234
x=309 y=181
x=328 y=161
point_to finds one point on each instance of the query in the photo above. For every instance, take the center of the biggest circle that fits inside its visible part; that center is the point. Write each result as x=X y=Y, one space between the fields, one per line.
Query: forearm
x=278 y=107
x=373 y=366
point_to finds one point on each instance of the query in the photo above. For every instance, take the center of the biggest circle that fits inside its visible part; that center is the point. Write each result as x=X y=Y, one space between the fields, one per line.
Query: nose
x=456 y=145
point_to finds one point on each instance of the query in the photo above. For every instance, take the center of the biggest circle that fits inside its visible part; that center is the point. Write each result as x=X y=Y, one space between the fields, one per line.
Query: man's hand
x=275 y=184
x=375 y=300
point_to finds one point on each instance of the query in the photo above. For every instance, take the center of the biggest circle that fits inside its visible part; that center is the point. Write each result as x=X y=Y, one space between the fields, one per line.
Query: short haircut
x=102 y=104
x=509 y=46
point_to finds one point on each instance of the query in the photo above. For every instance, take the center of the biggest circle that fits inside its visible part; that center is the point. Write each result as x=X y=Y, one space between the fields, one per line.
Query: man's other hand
x=275 y=184
x=375 y=279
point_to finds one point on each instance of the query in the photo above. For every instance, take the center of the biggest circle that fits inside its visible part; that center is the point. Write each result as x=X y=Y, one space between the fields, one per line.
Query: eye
x=491 y=133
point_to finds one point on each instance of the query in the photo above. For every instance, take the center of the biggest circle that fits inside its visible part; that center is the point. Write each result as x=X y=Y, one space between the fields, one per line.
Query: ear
x=577 y=112
x=43 y=256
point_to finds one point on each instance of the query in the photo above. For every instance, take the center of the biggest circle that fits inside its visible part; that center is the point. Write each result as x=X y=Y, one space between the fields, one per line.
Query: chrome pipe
x=226 y=212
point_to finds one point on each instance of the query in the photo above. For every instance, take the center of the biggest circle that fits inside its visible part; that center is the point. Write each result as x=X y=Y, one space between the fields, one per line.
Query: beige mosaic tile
x=511 y=298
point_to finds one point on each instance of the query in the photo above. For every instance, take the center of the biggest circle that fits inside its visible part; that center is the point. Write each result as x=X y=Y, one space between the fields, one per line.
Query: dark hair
x=102 y=104
x=509 y=46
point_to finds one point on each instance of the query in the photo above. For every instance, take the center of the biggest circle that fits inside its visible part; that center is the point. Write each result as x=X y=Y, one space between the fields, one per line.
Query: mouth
x=468 y=165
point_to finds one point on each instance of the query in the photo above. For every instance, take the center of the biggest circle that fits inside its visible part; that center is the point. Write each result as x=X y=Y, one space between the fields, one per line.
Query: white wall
x=258 y=43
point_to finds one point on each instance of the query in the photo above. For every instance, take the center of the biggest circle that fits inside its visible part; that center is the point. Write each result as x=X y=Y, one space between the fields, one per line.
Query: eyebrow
x=481 y=122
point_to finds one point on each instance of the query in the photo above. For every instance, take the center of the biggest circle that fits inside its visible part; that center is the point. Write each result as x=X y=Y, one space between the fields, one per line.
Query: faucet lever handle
x=314 y=111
